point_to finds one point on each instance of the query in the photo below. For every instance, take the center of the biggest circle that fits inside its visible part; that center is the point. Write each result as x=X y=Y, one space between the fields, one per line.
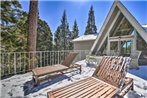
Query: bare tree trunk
x=33 y=17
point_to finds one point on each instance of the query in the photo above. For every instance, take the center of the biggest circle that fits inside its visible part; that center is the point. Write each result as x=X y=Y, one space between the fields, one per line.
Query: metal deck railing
x=21 y=62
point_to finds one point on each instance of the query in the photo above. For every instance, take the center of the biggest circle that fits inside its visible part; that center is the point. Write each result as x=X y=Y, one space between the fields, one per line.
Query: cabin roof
x=85 y=38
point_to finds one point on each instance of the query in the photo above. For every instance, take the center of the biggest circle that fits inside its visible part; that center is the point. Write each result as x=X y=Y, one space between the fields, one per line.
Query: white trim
x=111 y=26
x=133 y=21
x=103 y=27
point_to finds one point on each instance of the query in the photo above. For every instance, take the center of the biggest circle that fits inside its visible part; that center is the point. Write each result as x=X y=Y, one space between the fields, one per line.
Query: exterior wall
x=83 y=45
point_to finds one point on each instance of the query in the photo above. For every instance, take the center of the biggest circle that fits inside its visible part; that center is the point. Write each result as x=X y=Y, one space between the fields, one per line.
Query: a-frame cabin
x=121 y=34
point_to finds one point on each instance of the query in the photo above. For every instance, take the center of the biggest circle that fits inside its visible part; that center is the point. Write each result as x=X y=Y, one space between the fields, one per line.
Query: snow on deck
x=21 y=85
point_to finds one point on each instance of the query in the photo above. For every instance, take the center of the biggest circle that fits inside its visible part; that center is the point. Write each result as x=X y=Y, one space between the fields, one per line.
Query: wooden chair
x=107 y=81
x=135 y=59
x=56 y=70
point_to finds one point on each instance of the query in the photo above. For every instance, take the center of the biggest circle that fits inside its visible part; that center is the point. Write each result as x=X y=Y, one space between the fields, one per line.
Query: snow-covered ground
x=21 y=85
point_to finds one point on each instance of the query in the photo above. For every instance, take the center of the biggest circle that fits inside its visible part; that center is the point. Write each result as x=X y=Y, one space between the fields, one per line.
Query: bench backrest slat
x=69 y=59
x=112 y=69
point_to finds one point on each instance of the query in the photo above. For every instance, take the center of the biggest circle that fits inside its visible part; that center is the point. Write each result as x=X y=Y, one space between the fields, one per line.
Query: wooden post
x=14 y=63
x=134 y=41
x=126 y=46
x=108 y=46
x=40 y=58
x=58 y=58
x=119 y=47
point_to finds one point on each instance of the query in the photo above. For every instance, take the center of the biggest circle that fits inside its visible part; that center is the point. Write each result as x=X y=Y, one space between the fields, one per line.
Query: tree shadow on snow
x=91 y=65
x=30 y=88
x=133 y=94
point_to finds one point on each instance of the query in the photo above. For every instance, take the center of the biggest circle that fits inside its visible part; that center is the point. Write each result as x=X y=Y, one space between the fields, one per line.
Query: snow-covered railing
x=21 y=62
x=133 y=54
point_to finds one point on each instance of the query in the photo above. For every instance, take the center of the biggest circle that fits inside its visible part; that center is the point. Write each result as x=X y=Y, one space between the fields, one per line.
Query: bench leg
x=80 y=69
x=35 y=80
x=132 y=87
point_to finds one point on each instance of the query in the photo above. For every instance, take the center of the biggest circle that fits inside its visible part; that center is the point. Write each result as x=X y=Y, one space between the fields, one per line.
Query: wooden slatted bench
x=56 y=70
x=107 y=81
x=87 y=88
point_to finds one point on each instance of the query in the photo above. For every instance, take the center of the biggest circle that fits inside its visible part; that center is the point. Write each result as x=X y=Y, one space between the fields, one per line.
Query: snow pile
x=21 y=85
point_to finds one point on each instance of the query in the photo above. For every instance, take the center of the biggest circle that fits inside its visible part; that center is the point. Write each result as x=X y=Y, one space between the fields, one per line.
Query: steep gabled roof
x=117 y=12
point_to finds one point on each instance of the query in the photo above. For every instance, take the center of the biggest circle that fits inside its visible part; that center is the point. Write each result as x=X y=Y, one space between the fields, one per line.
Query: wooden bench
x=56 y=70
x=108 y=80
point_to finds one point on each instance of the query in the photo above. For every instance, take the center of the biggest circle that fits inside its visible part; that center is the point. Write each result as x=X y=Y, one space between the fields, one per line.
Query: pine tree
x=44 y=36
x=57 y=39
x=63 y=34
x=75 y=31
x=91 y=27
x=14 y=33
x=74 y=34
x=14 y=37
x=13 y=27
x=10 y=12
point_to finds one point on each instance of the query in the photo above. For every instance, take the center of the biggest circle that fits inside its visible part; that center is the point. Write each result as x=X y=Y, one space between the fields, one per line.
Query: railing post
x=14 y=63
x=1 y=60
x=50 y=57
x=40 y=59
x=53 y=57
x=24 y=62
x=80 y=55
x=20 y=63
x=33 y=59
x=29 y=61
x=44 y=59
x=9 y=69
x=58 y=57
x=47 y=58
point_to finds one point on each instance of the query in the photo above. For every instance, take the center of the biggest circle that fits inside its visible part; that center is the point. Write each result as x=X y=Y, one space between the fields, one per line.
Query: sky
x=52 y=11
